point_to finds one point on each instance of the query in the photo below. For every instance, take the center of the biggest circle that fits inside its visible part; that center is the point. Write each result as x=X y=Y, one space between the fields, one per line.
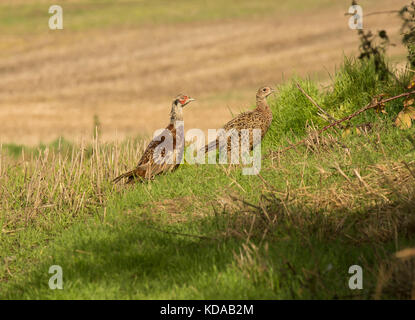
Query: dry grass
x=252 y=261
x=373 y=204
x=177 y=210
x=371 y=207
x=37 y=188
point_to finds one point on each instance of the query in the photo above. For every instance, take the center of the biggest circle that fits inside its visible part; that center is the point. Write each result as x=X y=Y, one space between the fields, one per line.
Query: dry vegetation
x=384 y=197
x=52 y=84
x=372 y=208
x=38 y=187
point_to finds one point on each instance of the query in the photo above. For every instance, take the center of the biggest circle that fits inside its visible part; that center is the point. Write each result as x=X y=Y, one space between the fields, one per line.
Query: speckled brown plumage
x=259 y=118
x=150 y=164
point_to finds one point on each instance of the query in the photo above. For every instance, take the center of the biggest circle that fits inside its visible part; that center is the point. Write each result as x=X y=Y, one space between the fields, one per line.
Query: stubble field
x=124 y=61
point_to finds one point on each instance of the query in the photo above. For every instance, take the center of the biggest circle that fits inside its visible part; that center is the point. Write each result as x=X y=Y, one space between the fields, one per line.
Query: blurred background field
x=123 y=61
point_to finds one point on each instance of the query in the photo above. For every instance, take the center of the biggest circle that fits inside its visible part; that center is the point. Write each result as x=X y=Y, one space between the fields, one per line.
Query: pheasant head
x=177 y=108
x=264 y=92
x=261 y=96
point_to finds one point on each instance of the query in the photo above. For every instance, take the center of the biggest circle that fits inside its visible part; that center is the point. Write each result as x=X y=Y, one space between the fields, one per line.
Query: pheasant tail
x=133 y=174
x=124 y=175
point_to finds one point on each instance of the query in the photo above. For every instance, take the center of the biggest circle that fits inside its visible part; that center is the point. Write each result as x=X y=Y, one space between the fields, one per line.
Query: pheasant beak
x=188 y=101
x=271 y=91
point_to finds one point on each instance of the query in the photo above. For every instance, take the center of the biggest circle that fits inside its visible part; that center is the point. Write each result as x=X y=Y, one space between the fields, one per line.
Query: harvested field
x=53 y=82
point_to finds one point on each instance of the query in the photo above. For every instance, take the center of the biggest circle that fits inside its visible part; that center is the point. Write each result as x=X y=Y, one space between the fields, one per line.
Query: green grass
x=16 y=150
x=186 y=236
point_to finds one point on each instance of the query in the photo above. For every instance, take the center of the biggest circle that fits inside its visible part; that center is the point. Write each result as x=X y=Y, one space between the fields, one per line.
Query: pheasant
x=150 y=164
x=259 y=118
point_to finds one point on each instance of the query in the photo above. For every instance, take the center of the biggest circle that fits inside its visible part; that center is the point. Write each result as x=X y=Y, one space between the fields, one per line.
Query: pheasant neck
x=176 y=113
x=262 y=104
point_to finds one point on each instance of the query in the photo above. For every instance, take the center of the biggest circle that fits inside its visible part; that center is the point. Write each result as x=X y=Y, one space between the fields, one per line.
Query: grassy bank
x=208 y=231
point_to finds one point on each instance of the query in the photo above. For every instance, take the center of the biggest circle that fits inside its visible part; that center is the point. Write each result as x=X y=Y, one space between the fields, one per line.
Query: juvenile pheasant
x=259 y=118
x=150 y=164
